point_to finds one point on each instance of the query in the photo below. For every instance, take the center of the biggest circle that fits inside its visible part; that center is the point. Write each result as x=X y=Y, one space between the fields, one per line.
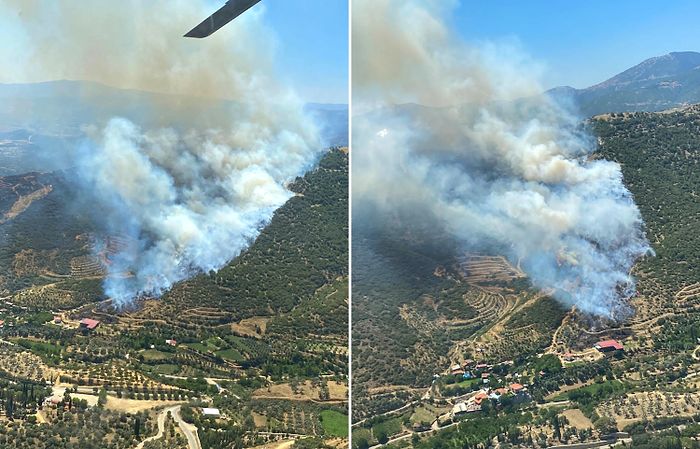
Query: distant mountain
x=656 y=84
x=61 y=108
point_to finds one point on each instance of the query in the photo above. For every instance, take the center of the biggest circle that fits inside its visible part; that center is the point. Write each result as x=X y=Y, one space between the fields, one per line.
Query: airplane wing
x=228 y=12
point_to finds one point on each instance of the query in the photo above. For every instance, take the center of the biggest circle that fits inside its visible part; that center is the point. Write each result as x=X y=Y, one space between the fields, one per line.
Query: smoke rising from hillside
x=492 y=162
x=183 y=200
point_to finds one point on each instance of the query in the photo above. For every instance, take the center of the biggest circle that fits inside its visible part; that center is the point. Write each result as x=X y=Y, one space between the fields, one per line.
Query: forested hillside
x=660 y=158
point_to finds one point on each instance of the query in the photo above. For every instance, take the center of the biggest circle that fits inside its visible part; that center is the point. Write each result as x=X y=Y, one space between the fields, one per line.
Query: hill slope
x=577 y=393
x=264 y=339
x=656 y=84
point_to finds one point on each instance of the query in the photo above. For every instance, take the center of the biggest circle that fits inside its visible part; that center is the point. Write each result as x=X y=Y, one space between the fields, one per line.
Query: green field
x=166 y=368
x=335 y=423
x=423 y=415
x=198 y=347
x=232 y=354
x=386 y=429
x=153 y=354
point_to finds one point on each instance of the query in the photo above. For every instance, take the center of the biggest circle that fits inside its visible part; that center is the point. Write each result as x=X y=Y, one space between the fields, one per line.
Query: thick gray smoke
x=180 y=201
x=496 y=164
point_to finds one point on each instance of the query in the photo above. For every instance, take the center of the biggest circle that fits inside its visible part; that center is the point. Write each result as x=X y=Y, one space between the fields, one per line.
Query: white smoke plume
x=499 y=166
x=182 y=200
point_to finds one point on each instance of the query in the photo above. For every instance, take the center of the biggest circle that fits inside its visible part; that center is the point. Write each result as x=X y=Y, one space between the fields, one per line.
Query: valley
x=268 y=353
x=506 y=365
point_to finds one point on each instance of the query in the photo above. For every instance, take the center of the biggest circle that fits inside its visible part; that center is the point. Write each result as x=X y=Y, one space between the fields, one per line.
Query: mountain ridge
x=63 y=107
x=655 y=84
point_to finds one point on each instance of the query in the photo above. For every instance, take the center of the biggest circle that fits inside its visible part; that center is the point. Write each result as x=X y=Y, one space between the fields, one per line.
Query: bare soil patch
x=251 y=327
x=577 y=419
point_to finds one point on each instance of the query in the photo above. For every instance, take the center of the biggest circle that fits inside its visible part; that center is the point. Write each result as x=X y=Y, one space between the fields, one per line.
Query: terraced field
x=86 y=266
x=114 y=377
x=483 y=269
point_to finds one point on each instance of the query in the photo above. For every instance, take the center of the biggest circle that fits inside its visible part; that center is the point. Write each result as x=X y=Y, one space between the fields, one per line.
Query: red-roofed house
x=480 y=396
x=516 y=388
x=89 y=324
x=609 y=346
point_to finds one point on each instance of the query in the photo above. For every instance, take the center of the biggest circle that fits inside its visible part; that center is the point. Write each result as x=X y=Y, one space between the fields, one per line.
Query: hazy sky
x=580 y=42
x=311 y=38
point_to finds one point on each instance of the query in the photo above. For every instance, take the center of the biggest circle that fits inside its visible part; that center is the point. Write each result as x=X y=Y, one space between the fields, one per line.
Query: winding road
x=161 y=426
x=189 y=430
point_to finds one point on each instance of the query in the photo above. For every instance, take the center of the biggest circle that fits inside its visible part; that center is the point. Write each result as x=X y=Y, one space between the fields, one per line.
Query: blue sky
x=584 y=42
x=313 y=46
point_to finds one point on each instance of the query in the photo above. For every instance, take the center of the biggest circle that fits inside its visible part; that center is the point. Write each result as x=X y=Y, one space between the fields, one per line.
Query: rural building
x=57 y=320
x=517 y=388
x=171 y=342
x=609 y=346
x=89 y=324
x=480 y=397
x=459 y=408
x=211 y=412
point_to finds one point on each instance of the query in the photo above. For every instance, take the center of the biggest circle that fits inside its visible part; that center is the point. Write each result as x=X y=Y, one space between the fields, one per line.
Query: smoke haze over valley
x=459 y=136
x=185 y=177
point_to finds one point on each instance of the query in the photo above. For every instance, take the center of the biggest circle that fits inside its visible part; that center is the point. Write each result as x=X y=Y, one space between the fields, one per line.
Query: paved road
x=593 y=444
x=161 y=425
x=189 y=430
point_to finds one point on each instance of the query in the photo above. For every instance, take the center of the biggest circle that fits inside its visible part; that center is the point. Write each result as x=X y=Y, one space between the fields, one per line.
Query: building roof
x=206 y=411
x=516 y=387
x=610 y=344
x=460 y=407
x=480 y=396
x=89 y=323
